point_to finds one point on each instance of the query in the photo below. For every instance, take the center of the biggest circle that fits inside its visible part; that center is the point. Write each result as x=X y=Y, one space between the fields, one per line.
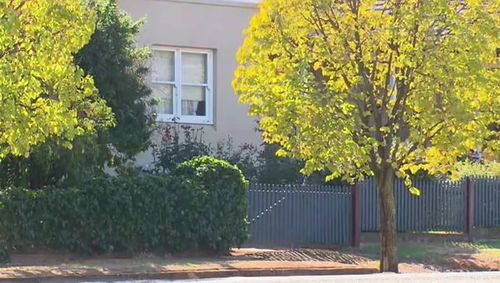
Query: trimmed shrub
x=129 y=214
x=221 y=203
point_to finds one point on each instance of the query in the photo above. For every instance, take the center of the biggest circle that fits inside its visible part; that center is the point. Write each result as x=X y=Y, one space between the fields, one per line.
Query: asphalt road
x=461 y=277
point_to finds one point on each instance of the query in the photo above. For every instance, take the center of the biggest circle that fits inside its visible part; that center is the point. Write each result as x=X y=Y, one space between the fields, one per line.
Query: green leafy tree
x=365 y=88
x=118 y=69
x=41 y=89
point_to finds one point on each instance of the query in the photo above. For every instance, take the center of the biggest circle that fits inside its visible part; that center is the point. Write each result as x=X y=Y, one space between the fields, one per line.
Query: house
x=194 y=45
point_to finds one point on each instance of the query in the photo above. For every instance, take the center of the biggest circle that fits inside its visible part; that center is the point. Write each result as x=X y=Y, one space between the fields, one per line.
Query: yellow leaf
x=414 y=191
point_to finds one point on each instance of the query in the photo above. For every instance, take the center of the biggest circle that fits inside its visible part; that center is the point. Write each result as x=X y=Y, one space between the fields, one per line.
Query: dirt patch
x=303 y=257
x=417 y=268
x=311 y=255
x=475 y=263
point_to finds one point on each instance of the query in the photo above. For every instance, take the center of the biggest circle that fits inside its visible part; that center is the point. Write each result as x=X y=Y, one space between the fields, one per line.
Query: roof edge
x=230 y=3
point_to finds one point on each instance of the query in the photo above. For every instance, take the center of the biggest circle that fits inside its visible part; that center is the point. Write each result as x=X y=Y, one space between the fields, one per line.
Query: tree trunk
x=387 y=214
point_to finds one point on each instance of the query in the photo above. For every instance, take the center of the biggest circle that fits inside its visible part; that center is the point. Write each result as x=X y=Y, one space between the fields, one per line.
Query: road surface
x=462 y=277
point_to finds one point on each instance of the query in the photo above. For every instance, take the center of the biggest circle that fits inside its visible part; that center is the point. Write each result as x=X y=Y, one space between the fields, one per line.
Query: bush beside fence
x=202 y=206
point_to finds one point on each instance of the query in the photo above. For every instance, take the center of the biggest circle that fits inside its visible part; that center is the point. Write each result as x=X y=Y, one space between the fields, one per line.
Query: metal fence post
x=470 y=209
x=356 y=215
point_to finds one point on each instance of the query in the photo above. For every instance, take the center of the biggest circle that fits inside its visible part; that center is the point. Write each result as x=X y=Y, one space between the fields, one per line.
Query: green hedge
x=202 y=206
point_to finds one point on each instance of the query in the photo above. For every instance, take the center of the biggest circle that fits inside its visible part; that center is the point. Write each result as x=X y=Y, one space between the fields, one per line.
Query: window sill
x=184 y=120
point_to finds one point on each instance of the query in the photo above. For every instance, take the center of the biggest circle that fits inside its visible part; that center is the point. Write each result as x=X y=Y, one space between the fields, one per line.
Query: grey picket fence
x=440 y=207
x=299 y=215
x=486 y=202
x=311 y=215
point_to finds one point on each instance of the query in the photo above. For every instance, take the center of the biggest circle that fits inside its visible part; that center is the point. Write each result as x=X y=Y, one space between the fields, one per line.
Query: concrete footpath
x=462 y=277
x=134 y=269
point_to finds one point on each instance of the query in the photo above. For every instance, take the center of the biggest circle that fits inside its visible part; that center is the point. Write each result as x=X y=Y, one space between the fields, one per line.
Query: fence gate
x=299 y=215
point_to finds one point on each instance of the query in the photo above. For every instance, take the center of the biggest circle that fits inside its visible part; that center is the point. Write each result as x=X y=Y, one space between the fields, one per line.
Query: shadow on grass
x=439 y=256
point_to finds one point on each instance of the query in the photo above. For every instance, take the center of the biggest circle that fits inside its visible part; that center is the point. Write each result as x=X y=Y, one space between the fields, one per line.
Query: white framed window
x=182 y=83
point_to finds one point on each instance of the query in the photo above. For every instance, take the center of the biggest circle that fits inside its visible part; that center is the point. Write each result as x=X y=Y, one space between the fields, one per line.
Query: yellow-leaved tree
x=42 y=92
x=373 y=88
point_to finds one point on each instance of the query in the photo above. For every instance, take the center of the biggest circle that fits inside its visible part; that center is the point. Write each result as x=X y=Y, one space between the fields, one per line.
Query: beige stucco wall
x=218 y=26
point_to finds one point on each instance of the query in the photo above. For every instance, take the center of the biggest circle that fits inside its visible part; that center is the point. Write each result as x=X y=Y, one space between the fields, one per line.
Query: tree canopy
x=118 y=69
x=384 y=88
x=41 y=89
x=335 y=82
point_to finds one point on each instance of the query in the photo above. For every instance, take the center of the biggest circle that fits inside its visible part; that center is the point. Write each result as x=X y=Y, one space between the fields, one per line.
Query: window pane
x=194 y=68
x=163 y=95
x=194 y=100
x=163 y=66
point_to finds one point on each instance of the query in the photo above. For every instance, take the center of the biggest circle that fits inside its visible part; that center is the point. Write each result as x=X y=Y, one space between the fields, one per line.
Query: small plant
x=179 y=143
x=246 y=157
